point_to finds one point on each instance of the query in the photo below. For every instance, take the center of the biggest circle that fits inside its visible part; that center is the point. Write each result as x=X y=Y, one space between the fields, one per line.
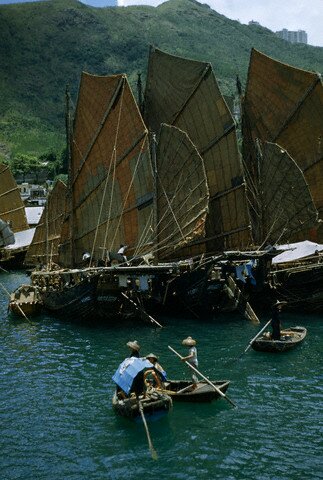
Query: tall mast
x=139 y=90
x=155 y=180
x=70 y=179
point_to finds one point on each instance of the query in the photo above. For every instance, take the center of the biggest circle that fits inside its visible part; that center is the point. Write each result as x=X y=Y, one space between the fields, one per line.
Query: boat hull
x=25 y=301
x=153 y=403
x=183 y=391
x=24 y=309
x=75 y=302
x=289 y=339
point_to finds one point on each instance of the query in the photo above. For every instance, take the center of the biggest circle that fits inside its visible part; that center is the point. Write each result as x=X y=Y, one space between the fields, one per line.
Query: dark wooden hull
x=289 y=339
x=75 y=302
x=300 y=286
x=203 y=392
x=153 y=403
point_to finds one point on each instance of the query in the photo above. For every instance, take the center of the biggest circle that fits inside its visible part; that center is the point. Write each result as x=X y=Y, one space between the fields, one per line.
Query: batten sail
x=43 y=249
x=284 y=105
x=281 y=201
x=182 y=194
x=111 y=174
x=12 y=209
x=184 y=93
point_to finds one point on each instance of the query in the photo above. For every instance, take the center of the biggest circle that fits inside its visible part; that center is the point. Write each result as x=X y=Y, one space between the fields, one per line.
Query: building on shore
x=299 y=36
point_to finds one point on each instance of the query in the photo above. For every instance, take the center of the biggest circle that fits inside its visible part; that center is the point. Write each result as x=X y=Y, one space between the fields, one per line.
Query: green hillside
x=46 y=45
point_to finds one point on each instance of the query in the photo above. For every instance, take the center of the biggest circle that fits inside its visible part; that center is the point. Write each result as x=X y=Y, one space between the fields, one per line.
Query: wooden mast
x=70 y=195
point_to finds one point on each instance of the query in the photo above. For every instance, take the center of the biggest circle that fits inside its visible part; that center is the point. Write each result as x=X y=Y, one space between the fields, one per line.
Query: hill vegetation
x=45 y=45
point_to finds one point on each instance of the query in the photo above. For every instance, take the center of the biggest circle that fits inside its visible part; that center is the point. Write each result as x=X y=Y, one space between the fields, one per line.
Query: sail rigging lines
x=113 y=162
x=129 y=186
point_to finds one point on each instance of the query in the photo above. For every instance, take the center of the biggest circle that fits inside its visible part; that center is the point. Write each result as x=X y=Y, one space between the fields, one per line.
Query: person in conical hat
x=154 y=360
x=192 y=355
x=275 y=319
x=134 y=347
x=158 y=370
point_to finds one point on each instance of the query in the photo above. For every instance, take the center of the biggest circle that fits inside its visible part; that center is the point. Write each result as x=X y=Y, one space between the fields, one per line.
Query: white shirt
x=193 y=360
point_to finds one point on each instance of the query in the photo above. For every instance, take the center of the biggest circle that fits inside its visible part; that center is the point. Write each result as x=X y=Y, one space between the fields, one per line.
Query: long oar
x=205 y=378
x=141 y=310
x=258 y=335
x=150 y=444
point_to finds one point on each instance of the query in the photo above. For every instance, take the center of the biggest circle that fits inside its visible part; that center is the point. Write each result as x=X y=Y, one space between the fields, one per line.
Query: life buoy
x=155 y=378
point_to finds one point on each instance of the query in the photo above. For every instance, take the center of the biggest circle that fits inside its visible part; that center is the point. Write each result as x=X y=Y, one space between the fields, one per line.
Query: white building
x=299 y=36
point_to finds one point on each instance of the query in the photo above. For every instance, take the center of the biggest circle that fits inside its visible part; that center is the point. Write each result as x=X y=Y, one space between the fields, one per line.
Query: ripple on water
x=57 y=420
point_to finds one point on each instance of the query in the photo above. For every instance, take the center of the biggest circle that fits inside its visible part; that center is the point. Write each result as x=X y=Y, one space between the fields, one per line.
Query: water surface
x=57 y=421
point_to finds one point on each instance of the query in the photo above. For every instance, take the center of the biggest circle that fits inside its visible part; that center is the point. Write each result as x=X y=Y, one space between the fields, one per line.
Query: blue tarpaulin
x=128 y=370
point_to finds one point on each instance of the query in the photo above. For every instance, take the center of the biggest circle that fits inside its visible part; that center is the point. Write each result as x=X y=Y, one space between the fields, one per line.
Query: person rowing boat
x=275 y=320
x=191 y=358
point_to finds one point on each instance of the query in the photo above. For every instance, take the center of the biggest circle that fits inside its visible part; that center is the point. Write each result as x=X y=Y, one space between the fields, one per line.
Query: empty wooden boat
x=186 y=391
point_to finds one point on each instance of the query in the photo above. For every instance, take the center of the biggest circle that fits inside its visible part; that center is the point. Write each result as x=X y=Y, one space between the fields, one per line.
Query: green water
x=57 y=421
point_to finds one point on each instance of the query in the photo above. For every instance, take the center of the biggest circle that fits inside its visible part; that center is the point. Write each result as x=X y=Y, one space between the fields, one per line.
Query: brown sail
x=184 y=93
x=111 y=176
x=44 y=247
x=12 y=209
x=281 y=203
x=284 y=105
x=182 y=195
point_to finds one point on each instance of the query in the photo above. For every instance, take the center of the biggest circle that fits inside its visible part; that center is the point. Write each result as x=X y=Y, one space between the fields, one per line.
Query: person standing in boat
x=138 y=385
x=275 y=320
x=122 y=251
x=192 y=355
x=86 y=258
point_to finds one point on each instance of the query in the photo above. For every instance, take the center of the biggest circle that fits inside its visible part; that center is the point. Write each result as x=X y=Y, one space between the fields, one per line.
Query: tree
x=22 y=164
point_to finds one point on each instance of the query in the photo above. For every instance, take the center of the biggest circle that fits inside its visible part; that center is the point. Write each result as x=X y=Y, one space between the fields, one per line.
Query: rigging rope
x=112 y=161
x=129 y=188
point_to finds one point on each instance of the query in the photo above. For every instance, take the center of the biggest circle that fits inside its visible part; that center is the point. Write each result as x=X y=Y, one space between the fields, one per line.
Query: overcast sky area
x=274 y=14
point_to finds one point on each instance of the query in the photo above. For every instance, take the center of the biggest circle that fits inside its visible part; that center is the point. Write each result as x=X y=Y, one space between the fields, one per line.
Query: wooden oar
x=204 y=378
x=182 y=390
x=242 y=305
x=258 y=335
x=150 y=444
x=141 y=310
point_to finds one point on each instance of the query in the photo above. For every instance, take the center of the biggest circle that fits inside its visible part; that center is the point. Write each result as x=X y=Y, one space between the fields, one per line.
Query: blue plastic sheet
x=128 y=370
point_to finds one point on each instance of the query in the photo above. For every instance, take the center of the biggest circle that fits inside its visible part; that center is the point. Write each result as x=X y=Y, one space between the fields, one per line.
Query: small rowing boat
x=25 y=301
x=153 y=402
x=186 y=391
x=289 y=339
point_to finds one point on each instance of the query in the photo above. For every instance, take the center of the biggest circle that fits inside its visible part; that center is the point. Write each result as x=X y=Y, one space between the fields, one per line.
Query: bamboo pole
x=255 y=338
x=141 y=310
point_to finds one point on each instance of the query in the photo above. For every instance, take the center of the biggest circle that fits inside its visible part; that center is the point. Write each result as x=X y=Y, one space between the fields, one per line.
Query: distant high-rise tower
x=101 y=3
x=300 y=36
